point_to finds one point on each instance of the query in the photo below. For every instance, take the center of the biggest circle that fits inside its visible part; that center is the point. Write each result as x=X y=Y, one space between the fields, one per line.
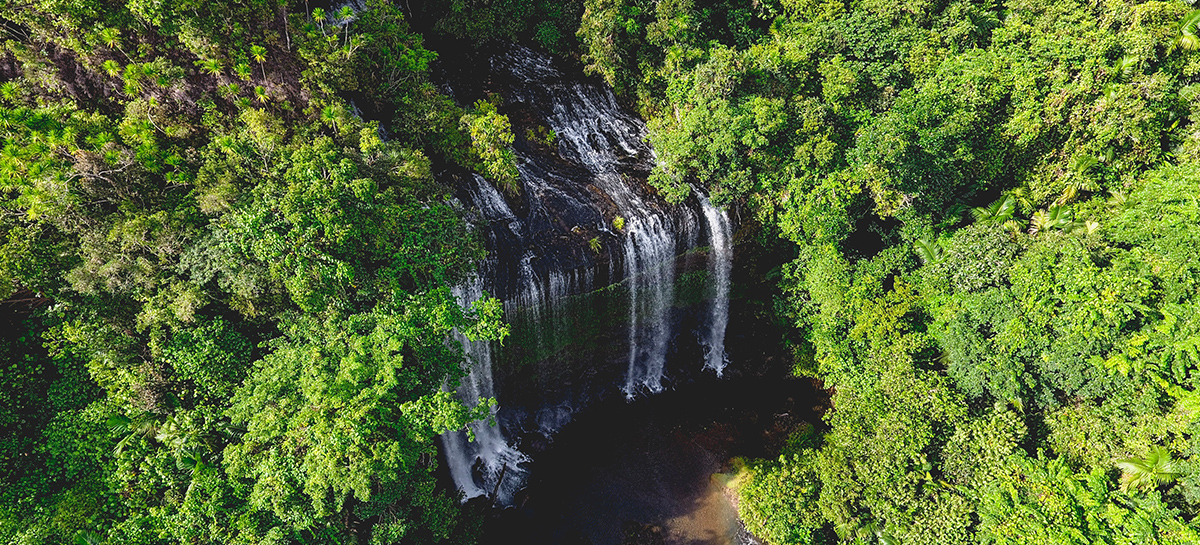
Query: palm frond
x=930 y=251
x=144 y=425
x=1189 y=31
x=1038 y=222
x=1117 y=199
x=88 y=537
x=1085 y=227
x=1125 y=67
x=996 y=213
x=1083 y=164
x=1054 y=217
x=1059 y=217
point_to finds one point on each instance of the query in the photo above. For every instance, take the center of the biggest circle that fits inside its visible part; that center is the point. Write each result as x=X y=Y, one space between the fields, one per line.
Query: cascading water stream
x=650 y=264
x=487 y=465
x=720 y=266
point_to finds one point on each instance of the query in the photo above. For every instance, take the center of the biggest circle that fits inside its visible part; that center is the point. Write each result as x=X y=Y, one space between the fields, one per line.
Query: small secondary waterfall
x=577 y=282
x=487 y=465
x=720 y=265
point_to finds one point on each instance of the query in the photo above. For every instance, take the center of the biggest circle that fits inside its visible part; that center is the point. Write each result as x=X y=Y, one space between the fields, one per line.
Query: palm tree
x=260 y=93
x=242 y=70
x=345 y=14
x=1079 y=177
x=1038 y=222
x=149 y=70
x=997 y=212
x=88 y=537
x=1121 y=71
x=10 y=90
x=111 y=67
x=112 y=38
x=1154 y=470
x=318 y=15
x=259 y=54
x=1086 y=227
x=330 y=115
x=212 y=66
x=144 y=425
x=1116 y=199
x=1125 y=66
x=133 y=78
x=175 y=433
x=229 y=90
x=1024 y=198
x=1055 y=217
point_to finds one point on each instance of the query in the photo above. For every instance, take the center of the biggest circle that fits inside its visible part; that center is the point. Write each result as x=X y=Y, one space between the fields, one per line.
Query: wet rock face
x=572 y=281
x=572 y=190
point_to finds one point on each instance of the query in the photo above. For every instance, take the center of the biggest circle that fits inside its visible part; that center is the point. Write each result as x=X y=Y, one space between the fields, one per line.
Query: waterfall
x=575 y=283
x=650 y=261
x=720 y=265
x=488 y=465
x=595 y=132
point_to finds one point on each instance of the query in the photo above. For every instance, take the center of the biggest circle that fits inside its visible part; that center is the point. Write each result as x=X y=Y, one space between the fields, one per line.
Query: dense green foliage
x=232 y=290
x=228 y=293
x=1021 y=373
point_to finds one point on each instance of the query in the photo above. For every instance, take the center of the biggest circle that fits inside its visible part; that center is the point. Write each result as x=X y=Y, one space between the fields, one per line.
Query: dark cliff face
x=555 y=256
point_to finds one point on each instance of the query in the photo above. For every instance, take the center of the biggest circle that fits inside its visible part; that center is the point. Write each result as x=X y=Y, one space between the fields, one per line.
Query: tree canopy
x=993 y=204
x=237 y=306
x=230 y=298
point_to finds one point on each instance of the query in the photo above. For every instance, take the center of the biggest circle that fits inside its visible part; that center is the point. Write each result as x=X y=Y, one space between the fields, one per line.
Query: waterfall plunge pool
x=642 y=472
